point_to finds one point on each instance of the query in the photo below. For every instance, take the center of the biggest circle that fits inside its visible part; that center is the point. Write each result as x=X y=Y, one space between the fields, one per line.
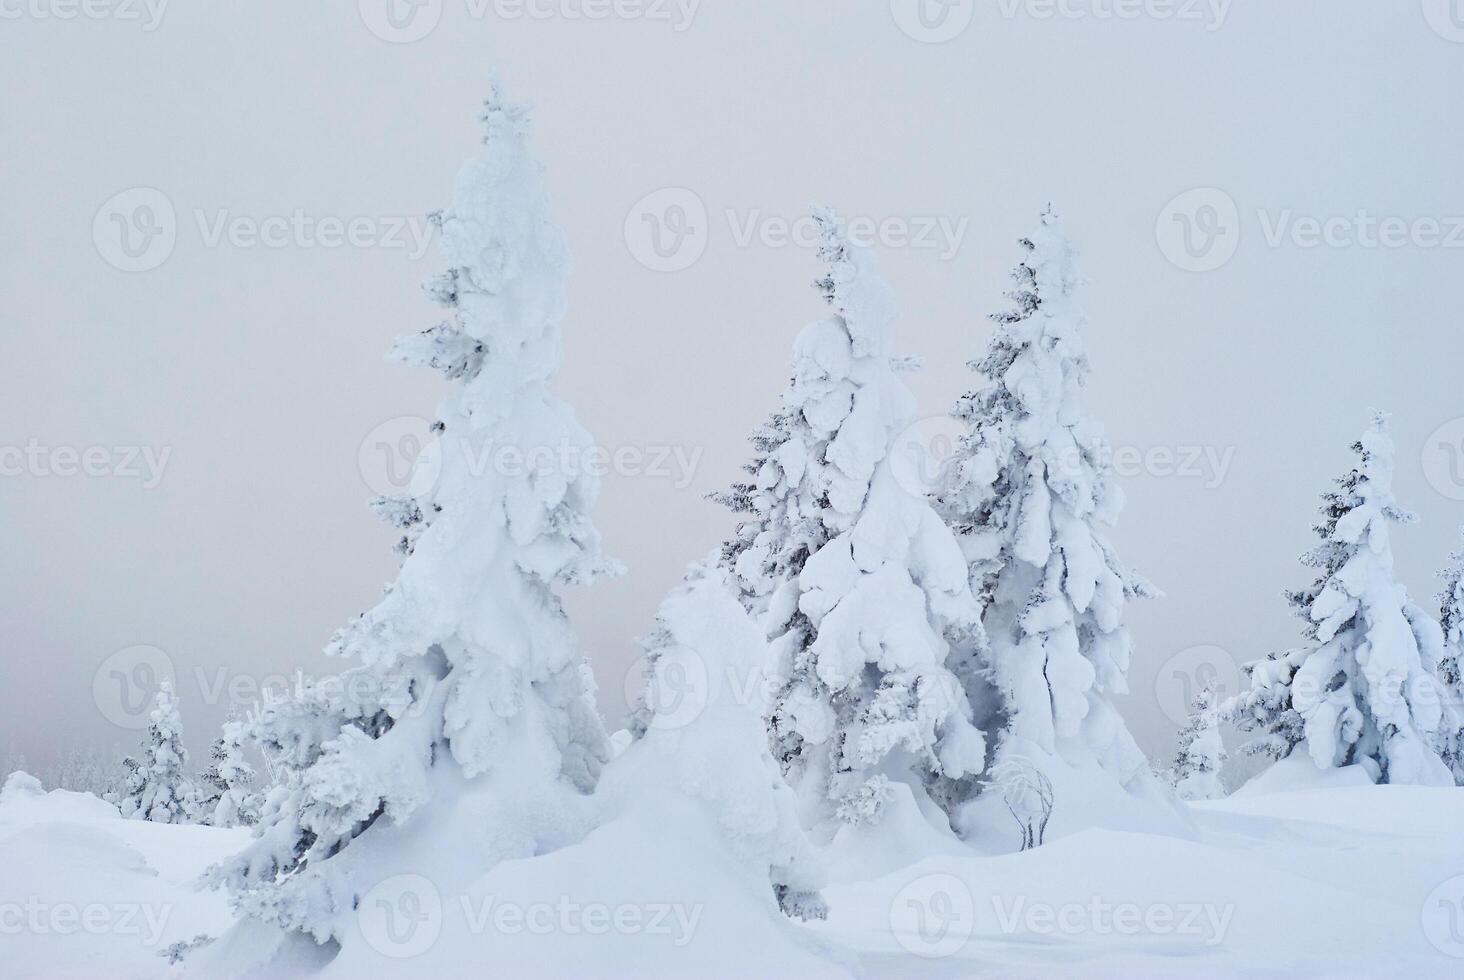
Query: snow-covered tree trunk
x=468 y=667
x=1028 y=494
x=856 y=581
x=1362 y=694
x=1196 y=772
x=157 y=786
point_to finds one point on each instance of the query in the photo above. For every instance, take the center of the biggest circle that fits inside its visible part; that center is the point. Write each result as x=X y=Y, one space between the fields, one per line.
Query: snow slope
x=85 y=893
x=1330 y=880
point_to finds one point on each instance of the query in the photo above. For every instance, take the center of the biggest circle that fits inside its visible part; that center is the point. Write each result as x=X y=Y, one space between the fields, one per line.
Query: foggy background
x=260 y=371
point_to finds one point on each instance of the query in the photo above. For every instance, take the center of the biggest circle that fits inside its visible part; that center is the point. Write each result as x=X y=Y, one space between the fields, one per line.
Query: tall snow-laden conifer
x=1029 y=493
x=1360 y=694
x=470 y=702
x=157 y=786
x=855 y=580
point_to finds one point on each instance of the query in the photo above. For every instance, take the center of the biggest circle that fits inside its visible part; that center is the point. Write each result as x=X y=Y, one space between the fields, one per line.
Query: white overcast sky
x=260 y=370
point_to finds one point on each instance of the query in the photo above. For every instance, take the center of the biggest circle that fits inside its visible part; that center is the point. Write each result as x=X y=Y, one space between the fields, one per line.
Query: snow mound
x=89 y=894
x=653 y=893
x=1298 y=772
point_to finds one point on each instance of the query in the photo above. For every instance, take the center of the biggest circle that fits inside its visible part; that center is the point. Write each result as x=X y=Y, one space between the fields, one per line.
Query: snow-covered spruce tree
x=856 y=581
x=157 y=786
x=1028 y=493
x=1451 y=620
x=470 y=707
x=1360 y=694
x=1196 y=772
x=1449 y=668
x=227 y=797
x=699 y=726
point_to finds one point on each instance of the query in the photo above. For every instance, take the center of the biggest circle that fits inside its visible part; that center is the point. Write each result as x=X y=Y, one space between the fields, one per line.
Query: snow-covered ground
x=1341 y=878
x=85 y=893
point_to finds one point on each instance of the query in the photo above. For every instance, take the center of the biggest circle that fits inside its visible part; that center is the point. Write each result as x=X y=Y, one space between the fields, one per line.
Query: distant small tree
x=1196 y=772
x=1360 y=694
x=157 y=787
x=12 y=761
x=83 y=769
x=227 y=797
x=1450 y=666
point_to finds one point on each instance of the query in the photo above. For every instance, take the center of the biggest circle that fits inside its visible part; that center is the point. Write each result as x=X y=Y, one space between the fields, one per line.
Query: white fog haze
x=220 y=216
